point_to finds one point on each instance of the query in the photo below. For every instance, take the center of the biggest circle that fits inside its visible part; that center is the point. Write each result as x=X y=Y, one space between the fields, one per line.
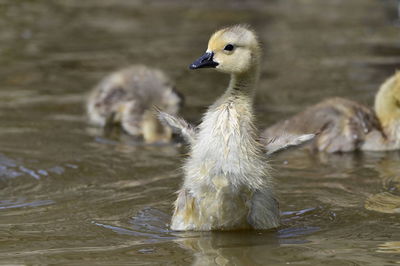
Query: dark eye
x=398 y=103
x=229 y=47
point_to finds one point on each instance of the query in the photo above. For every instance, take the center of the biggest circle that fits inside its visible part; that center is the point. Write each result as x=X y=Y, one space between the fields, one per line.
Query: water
x=70 y=195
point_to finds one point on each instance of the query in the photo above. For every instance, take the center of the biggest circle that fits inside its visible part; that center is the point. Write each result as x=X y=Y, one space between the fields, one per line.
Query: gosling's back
x=145 y=86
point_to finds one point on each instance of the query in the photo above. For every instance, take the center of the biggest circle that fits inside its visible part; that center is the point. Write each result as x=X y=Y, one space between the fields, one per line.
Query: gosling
x=227 y=185
x=127 y=98
x=347 y=126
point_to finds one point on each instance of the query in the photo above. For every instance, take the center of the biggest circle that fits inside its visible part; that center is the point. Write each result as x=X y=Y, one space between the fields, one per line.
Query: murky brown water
x=69 y=195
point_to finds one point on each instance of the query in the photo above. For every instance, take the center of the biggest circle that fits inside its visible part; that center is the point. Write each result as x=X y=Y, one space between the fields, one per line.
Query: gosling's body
x=227 y=185
x=127 y=97
x=345 y=126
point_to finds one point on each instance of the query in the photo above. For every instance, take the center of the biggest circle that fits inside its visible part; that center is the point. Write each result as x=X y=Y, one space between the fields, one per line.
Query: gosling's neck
x=243 y=84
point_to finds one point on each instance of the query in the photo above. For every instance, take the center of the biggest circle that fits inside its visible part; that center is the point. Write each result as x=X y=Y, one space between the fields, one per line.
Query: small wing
x=287 y=141
x=178 y=125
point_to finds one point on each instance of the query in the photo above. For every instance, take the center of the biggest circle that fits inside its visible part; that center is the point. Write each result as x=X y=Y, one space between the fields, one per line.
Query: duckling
x=227 y=185
x=346 y=126
x=127 y=97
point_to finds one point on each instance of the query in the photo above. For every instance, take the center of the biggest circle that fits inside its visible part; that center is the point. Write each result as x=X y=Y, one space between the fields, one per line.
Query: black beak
x=206 y=60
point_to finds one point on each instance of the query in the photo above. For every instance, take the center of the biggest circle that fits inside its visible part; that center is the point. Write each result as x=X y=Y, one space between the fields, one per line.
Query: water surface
x=71 y=195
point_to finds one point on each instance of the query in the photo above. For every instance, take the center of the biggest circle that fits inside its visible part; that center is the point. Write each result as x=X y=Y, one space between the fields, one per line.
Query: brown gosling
x=127 y=97
x=347 y=126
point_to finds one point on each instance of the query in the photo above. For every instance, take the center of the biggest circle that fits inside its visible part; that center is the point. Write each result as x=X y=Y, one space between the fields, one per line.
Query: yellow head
x=233 y=50
x=387 y=101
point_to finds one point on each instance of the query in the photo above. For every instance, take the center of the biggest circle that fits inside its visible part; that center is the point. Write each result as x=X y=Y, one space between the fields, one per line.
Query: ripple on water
x=11 y=168
x=153 y=225
x=150 y=224
x=297 y=225
x=20 y=203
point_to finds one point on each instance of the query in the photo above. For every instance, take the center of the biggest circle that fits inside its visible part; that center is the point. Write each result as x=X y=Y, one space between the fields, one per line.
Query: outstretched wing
x=178 y=125
x=286 y=141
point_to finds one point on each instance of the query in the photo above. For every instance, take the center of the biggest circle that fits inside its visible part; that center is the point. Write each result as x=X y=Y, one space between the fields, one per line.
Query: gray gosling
x=127 y=97
x=347 y=126
x=227 y=185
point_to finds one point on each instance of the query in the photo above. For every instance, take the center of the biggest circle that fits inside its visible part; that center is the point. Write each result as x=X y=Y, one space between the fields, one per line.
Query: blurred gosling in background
x=127 y=98
x=227 y=185
x=347 y=126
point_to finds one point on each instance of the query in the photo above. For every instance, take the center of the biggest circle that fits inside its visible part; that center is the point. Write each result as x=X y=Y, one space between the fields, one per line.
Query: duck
x=346 y=126
x=227 y=183
x=128 y=98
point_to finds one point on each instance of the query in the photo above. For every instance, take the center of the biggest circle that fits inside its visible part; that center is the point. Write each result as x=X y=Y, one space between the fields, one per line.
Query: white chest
x=226 y=146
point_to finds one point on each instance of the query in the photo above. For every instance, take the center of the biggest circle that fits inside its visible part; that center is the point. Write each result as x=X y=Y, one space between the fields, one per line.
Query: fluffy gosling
x=227 y=185
x=347 y=126
x=127 y=97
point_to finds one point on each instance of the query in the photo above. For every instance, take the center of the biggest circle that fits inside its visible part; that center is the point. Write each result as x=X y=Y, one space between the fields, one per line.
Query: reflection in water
x=246 y=247
x=230 y=248
x=389 y=247
x=387 y=201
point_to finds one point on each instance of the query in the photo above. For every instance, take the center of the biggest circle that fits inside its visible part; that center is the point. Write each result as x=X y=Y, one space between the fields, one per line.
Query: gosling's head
x=387 y=101
x=232 y=50
x=396 y=89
